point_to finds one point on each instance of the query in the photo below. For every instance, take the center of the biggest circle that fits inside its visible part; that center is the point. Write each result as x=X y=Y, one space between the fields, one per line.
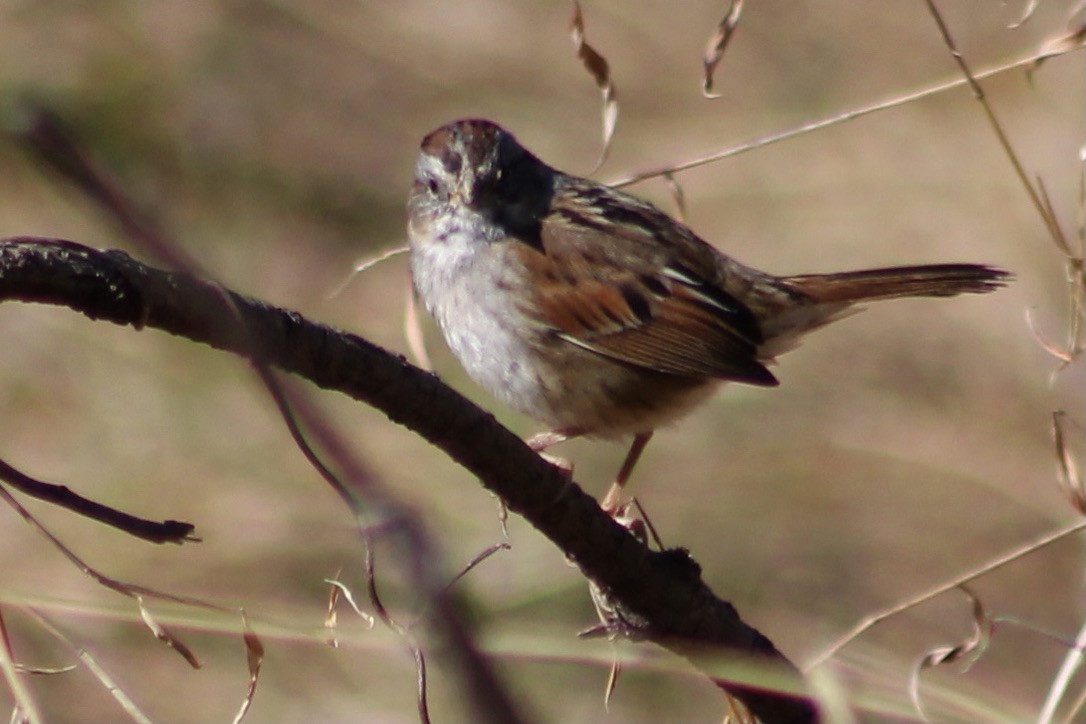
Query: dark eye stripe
x=451 y=160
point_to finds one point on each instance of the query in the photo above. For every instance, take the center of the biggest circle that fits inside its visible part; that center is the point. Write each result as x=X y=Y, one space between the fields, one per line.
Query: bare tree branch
x=56 y=147
x=663 y=589
x=167 y=531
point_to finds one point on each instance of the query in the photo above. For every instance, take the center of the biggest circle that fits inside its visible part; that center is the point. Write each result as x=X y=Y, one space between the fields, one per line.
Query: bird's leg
x=612 y=502
x=543 y=440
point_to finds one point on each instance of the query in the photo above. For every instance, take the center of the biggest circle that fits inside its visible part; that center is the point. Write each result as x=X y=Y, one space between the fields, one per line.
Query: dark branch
x=167 y=531
x=664 y=590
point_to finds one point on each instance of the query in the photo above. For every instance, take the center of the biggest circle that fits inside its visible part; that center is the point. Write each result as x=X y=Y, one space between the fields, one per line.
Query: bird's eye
x=431 y=185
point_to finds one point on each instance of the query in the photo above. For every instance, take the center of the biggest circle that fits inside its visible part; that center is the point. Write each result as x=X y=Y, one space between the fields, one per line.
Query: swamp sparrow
x=593 y=311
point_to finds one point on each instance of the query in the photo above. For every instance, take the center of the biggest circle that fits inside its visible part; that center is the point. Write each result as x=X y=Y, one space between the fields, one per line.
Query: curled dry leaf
x=44 y=670
x=254 y=656
x=718 y=43
x=412 y=330
x=968 y=650
x=1071 y=483
x=331 y=616
x=612 y=682
x=1064 y=356
x=1074 y=38
x=1027 y=13
x=1076 y=281
x=340 y=589
x=600 y=71
x=167 y=637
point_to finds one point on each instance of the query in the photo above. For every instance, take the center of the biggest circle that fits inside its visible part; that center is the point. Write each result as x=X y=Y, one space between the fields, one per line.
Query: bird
x=596 y=313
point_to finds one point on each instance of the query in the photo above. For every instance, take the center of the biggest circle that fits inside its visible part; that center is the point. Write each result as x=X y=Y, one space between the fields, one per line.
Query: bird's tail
x=933 y=280
x=815 y=300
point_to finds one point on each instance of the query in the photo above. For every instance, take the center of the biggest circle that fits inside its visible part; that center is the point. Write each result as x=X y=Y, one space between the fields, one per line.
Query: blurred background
x=276 y=140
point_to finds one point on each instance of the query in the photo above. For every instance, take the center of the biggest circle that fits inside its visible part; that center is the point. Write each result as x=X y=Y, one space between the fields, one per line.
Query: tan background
x=276 y=140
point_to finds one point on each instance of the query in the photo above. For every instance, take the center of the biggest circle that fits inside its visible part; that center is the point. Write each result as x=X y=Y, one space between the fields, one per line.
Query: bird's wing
x=607 y=288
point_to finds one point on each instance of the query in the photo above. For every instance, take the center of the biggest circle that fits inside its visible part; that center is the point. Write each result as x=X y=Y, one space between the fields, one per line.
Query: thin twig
x=134 y=591
x=1035 y=198
x=827 y=122
x=482 y=556
x=870 y=621
x=421 y=696
x=365 y=265
x=167 y=531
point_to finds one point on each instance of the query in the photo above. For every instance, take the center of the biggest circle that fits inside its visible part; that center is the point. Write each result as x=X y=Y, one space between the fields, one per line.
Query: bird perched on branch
x=596 y=313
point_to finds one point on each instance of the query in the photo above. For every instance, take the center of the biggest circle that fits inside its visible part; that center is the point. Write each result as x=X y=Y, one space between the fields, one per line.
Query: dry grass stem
x=1061 y=682
x=482 y=556
x=1070 y=481
x=26 y=707
x=873 y=619
x=416 y=342
x=1035 y=197
x=363 y=265
x=840 y=118
x=97 y=670
x=385 y=617
x=678 y=197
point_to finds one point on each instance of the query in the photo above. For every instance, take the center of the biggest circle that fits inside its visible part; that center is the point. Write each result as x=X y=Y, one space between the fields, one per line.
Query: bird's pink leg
x=543 y=440
x=612 y=502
